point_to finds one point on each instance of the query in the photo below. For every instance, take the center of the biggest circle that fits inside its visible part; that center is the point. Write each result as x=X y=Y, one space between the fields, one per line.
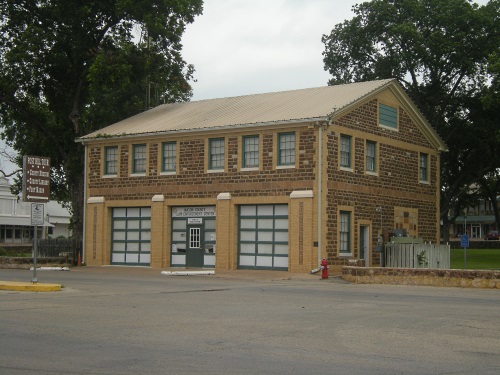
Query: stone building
x=269 y=181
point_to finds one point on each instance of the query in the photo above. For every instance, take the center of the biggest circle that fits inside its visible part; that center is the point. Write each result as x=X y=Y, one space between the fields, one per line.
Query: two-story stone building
x=269 y=181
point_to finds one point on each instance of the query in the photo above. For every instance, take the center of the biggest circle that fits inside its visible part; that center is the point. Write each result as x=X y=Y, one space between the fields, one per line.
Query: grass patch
x=477 y=259
x=14 y=253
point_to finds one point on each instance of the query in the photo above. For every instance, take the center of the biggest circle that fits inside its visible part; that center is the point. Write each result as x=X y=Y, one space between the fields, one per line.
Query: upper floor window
x=345 y=151
x=286 y=149
x=250 y=151
x=111 y=160
x=387 y=116
x=345 y=232
x=424 y=167
x=169 y=157
x=216 y=153
x=139 y=159
x=371 y=156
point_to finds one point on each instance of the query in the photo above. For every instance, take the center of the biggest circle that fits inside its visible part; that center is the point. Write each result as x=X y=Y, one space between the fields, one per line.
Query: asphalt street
x=118 y=320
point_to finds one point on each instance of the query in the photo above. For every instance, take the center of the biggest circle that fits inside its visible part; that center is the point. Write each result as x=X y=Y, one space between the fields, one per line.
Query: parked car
x=493 y=235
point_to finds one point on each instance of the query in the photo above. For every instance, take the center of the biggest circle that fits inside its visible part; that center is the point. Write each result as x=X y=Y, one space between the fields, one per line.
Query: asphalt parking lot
x=117 y=320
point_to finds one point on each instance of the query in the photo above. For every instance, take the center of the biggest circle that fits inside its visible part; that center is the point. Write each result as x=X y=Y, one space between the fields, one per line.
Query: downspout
x=320 y=194
x=320 y=190
x=84 y=201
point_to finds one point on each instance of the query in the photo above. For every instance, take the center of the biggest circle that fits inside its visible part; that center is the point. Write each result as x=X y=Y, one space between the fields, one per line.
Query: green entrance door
x=194 y=251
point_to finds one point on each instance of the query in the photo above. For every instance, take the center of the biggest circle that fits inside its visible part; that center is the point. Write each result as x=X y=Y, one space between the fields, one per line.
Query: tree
x=69 y=67
x=439 y=50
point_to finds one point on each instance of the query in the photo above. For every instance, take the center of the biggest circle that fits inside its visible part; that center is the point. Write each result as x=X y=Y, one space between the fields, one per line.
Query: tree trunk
x=76 y=186
x=445 y=229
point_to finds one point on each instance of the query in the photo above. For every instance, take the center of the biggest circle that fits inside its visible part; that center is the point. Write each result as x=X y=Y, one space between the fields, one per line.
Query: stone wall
x=429 y=277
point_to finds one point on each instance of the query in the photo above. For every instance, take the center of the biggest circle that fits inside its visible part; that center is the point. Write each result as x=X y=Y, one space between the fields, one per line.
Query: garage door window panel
x=131 y=236
x=263 y=235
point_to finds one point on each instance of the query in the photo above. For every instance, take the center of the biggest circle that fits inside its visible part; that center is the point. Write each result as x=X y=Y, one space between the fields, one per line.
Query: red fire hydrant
x=324 y=269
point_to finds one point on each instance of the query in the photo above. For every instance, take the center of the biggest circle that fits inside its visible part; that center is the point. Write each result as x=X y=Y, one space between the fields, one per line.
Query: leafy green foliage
x=69 y=67
x=445 y=54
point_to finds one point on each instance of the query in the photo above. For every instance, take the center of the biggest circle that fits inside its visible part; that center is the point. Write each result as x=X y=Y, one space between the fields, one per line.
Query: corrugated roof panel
x=243 y=110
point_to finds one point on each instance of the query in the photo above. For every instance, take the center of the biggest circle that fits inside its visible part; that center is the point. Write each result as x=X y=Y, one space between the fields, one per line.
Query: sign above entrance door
x=193 y=211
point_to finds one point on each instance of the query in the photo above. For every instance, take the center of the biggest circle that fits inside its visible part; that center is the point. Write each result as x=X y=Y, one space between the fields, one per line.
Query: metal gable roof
x=274 y=107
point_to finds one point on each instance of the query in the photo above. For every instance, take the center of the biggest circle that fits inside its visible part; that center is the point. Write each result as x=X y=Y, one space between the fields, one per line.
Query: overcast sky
x=241 y=47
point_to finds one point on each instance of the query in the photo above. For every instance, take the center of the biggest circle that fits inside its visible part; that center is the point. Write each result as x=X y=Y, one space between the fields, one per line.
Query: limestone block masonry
x=429 y=277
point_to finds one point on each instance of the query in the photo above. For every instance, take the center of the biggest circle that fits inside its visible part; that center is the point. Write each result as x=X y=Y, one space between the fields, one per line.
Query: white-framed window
x=111 y=160
x=371 y=156
x=345 y=232
x=250 y=152
x=286 y=149
x=169 y=156
x=424 y=167
x=216 y=154
x=345 y=151
x=139 y=158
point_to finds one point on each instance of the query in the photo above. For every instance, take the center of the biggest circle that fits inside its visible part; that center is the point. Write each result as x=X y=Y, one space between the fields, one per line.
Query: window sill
x=109 y=176
x=285 y=166
x=424 y=182
x=346 y=169
x=375 y=174
x=142 y=174
x=388 y=128
x=215 y=171
x=171 y=173
x=345 y=254
x=249 y=169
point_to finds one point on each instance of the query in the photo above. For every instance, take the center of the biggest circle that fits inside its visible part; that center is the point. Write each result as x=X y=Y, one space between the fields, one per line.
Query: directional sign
x=36 y=179
x=464 y=240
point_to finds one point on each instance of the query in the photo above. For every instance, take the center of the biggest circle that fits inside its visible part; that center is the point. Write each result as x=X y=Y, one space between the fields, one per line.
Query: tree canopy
x=445 y=54
x=69 y=67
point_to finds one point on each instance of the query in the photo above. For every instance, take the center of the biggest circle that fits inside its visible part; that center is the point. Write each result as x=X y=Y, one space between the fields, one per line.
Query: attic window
x=387 y=116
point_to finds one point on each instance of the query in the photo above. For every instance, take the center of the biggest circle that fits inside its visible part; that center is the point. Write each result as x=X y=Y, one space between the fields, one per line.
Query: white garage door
x=263 y=237
x=131 y=236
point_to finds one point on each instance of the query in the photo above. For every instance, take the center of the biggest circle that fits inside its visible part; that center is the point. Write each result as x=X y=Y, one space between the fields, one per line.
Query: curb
x=29 y=287
x=51 y=269
x=187 y=273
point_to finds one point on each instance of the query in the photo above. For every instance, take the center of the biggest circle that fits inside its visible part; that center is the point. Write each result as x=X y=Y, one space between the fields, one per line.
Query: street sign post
x=36 y=188
x=36 y=179
x=464 y=242
x=37 y=218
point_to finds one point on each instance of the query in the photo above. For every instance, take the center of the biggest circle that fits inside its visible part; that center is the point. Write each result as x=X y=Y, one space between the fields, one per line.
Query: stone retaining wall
x=431 y=277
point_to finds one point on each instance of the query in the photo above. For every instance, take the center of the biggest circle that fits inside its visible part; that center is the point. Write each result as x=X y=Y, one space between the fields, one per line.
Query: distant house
x=15 y=218
x=270 y=181
x=480 y=220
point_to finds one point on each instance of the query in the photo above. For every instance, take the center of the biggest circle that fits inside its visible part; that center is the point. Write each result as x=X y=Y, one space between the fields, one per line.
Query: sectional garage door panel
x=131 y=236
x=263 y=237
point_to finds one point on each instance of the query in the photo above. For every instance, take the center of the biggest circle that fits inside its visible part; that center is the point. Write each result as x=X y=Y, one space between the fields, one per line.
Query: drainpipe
x=320 y=193
x=84 y=202
x=320 y=190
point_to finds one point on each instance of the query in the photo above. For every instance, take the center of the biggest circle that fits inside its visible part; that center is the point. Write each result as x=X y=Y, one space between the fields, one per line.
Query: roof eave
x=84 y=140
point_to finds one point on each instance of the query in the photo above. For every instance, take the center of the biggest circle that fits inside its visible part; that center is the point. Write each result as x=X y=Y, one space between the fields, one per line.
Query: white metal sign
x=194 y=211
x=37 y=215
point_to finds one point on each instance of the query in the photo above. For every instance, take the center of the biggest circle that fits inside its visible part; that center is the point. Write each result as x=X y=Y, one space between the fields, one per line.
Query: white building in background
x=15 y=218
